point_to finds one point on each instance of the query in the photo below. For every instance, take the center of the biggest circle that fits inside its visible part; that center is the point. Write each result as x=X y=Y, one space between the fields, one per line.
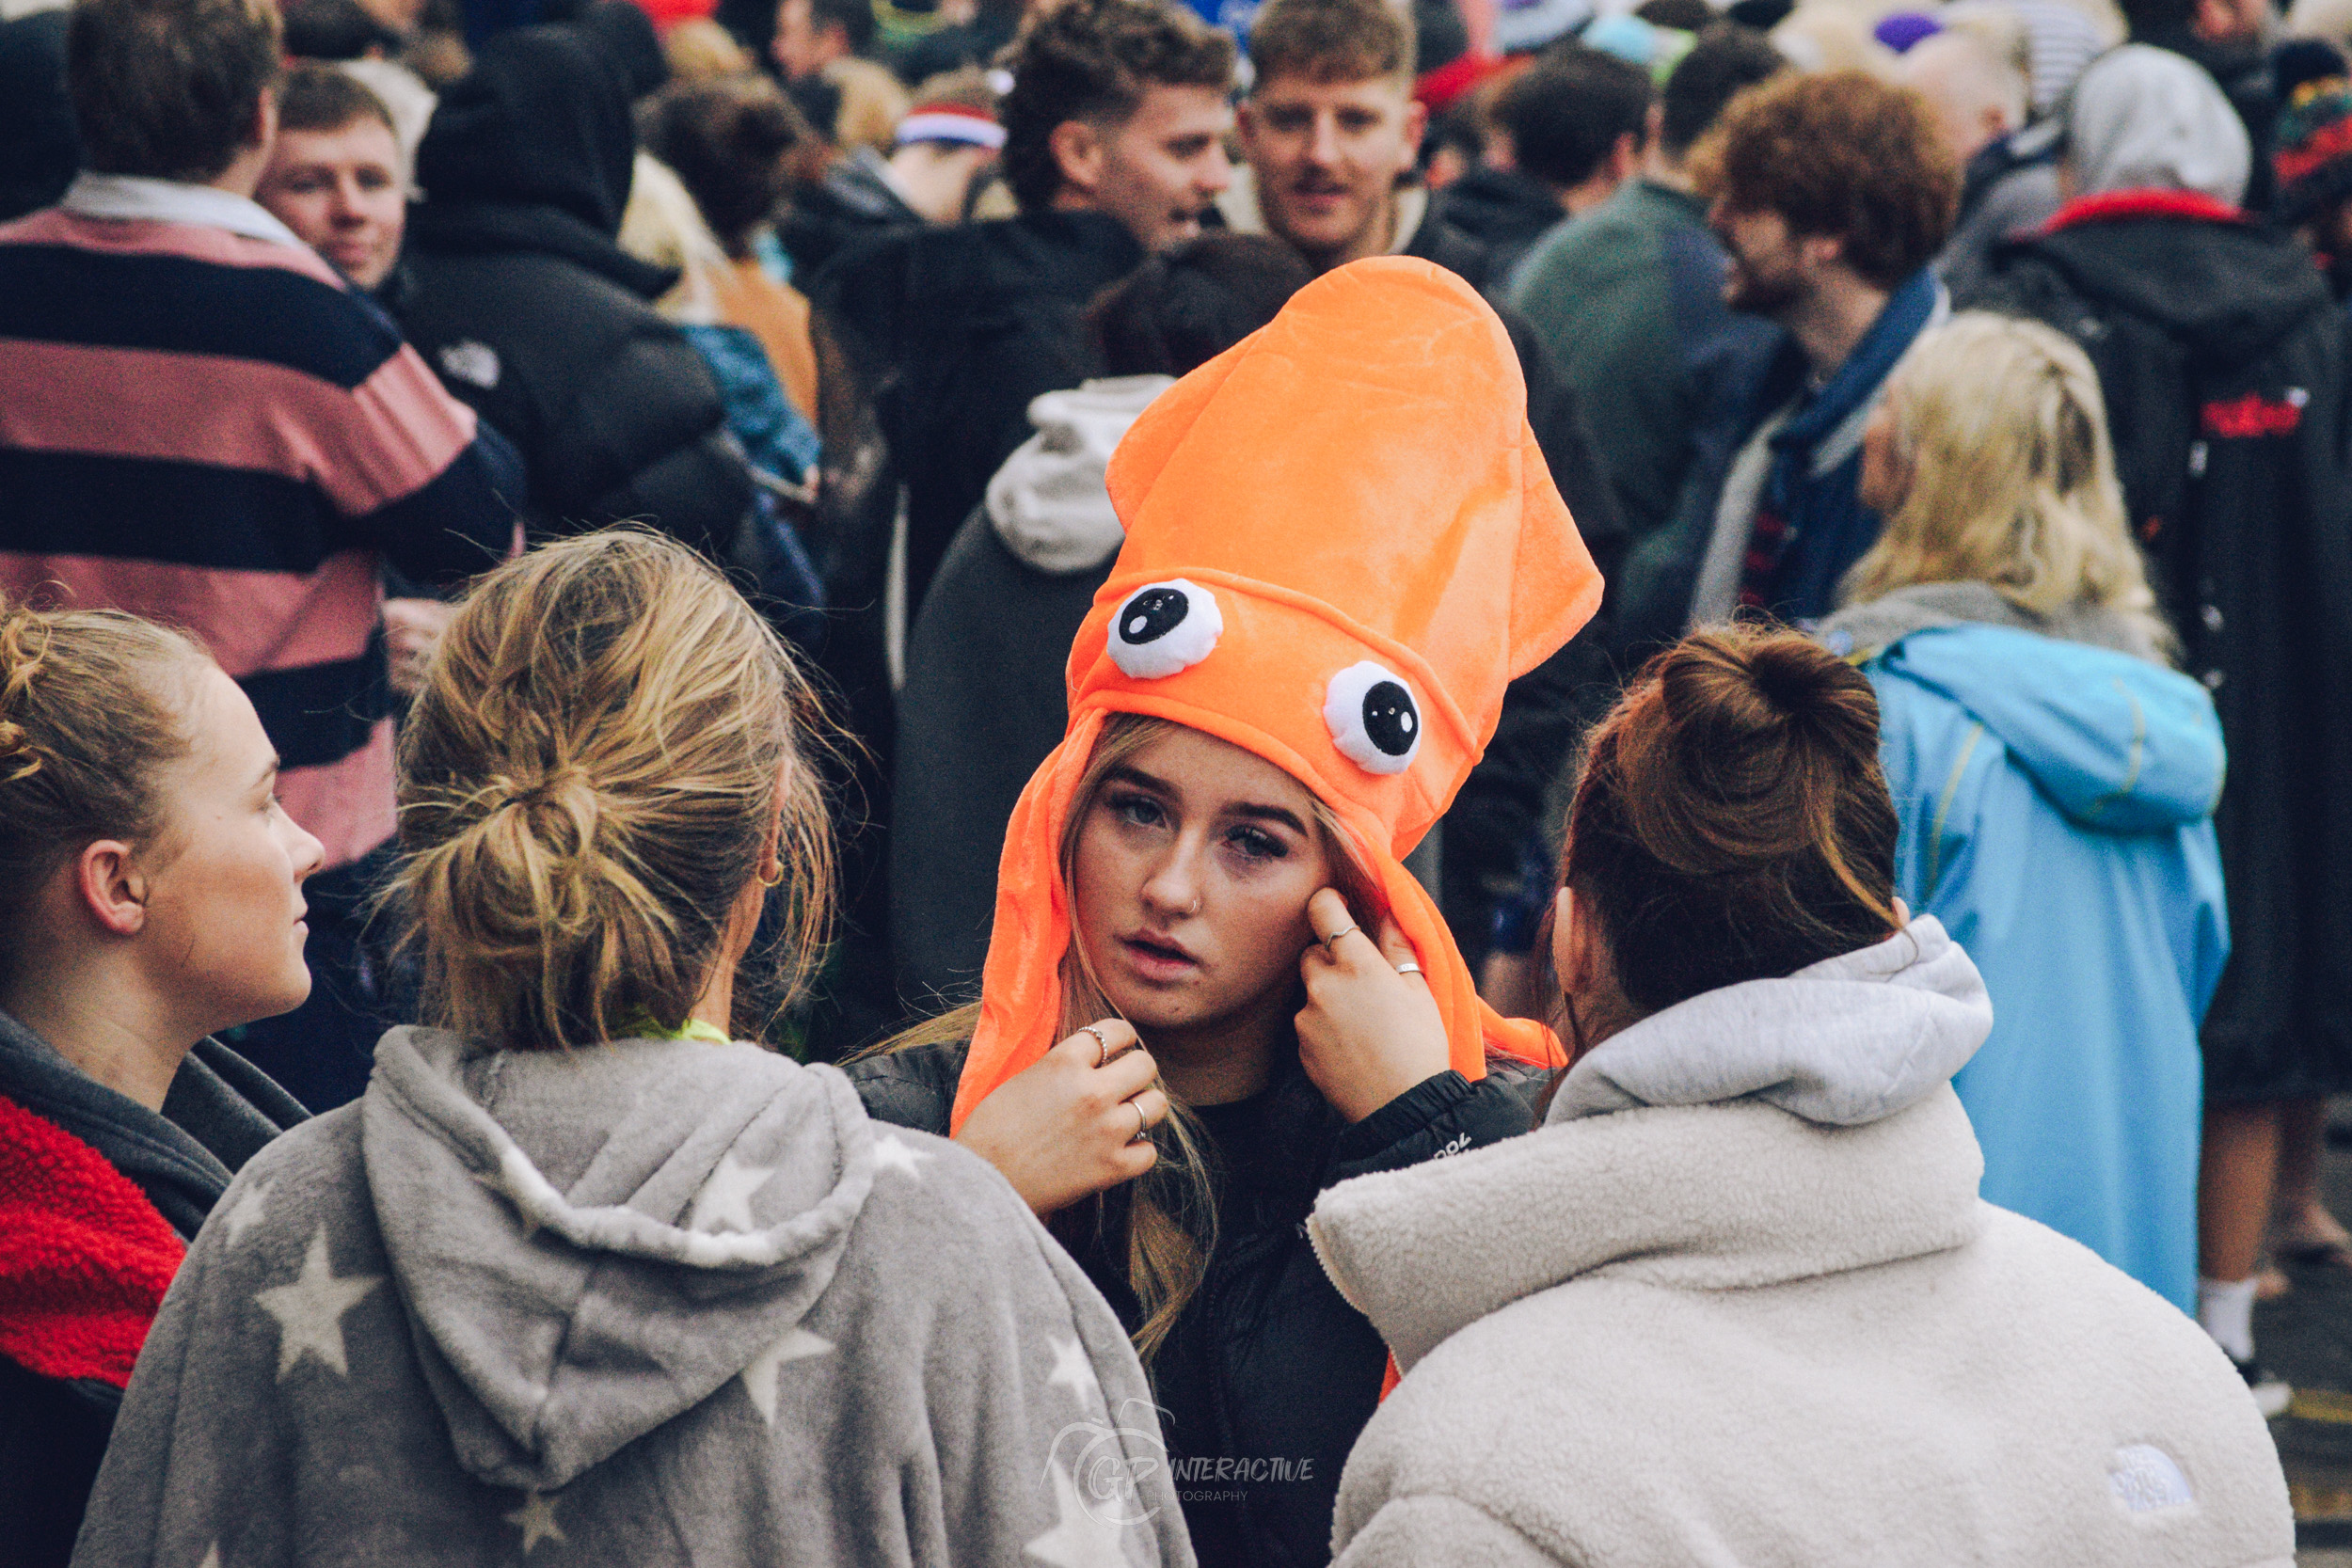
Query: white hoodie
x=1738 y=1303
x=1048 y=503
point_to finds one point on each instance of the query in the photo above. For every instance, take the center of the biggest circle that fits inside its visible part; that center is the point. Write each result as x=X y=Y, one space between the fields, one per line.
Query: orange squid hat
x=1343 y=543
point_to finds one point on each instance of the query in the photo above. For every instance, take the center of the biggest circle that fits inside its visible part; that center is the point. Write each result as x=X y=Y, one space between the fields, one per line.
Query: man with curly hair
x=1831 y=194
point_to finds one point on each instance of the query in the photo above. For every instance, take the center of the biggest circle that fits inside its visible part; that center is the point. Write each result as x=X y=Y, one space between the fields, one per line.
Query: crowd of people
x=1114 y=781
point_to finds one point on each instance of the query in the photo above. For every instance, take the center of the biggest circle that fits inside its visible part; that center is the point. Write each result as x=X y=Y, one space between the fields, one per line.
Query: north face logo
x=2254 y=415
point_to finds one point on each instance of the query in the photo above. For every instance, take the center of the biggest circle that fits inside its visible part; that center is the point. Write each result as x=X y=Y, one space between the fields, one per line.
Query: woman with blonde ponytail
x=589 y=1274
x=2057 y=778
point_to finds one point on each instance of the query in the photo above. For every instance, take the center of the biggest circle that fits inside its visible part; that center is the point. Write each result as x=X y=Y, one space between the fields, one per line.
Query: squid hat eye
x=1163 y=628
x=1373 y=719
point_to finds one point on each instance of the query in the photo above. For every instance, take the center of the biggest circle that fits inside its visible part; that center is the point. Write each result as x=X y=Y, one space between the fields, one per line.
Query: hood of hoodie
x=1048 y=503
x=2119 y=744
x=2226 y=287
x=542 y=120
x=588 y=1243
x=1835 y=1081
x=2145 y=119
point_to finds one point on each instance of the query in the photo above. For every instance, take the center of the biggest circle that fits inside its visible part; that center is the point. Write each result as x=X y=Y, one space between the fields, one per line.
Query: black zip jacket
x=1269 y=1375
x=2223 y=362
x=522 y=302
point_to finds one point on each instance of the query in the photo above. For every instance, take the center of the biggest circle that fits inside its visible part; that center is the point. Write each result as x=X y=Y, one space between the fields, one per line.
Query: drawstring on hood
x=586 y=1250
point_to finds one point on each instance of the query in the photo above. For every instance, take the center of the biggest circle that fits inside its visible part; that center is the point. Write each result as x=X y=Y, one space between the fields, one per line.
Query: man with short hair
x=934 y=342
x=1628 y=298
x=335 y=176
x=1976 y=77
x=1331 y=130
x=1567 y=133
x=200 y=423
x=1830 y=194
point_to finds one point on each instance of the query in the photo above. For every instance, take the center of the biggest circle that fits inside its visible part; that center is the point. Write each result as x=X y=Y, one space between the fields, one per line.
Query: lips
x=1155 y=957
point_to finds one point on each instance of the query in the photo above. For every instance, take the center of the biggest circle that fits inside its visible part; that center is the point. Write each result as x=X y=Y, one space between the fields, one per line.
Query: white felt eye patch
x=1163 y=628
x=1373 y=719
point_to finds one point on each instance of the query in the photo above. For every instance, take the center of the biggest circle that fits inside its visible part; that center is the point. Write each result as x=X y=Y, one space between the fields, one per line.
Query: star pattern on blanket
x=247 y=1212
x=536 y=1520
x=1073 y=1372
x=1078 y=1539
x=895 y=1153
x=310 y=1311
x=760 y=1379
x=725 y=1201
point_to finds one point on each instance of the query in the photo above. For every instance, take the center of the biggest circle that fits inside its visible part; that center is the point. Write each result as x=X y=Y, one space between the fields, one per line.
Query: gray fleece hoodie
x=656 y=1301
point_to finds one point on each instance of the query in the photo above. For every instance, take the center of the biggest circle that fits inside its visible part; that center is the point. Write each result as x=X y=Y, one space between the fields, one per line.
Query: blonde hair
x=2000 y=422
x=93 y=704
x=1170 y=1210
x=604 y=742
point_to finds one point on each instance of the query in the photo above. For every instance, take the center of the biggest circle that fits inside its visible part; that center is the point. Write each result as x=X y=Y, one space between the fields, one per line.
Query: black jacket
x=1266 y=1363
x=2223 y=361
x=522 y=302
x=950 y=332
x=852 y=204
x=219 y=1113
x=1503 y=209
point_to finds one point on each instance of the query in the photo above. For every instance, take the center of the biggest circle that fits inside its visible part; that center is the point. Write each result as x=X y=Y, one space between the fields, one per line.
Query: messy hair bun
x=1732 y=822
x=587 y=783
x=93 y=703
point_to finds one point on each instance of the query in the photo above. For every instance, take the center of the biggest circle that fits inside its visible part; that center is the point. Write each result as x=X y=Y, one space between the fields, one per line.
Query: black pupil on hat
x=1390 y=719
x=1153 y=614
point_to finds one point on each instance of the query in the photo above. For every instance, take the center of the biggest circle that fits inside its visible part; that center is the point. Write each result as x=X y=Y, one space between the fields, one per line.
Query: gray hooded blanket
x=651 y=1303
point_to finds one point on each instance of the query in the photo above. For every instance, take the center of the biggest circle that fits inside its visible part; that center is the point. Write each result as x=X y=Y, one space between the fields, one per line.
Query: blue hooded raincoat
x=2056 y=803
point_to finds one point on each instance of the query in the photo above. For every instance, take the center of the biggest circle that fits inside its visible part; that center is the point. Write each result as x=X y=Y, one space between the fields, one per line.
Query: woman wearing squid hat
x=1213 y=990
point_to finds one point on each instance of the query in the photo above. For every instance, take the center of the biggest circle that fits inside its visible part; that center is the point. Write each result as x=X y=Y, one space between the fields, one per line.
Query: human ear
x=1078 y=152
x=1416 y=121
x=110 y=885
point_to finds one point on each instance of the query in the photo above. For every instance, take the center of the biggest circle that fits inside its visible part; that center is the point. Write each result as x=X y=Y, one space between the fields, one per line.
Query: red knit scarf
x=84 y=1259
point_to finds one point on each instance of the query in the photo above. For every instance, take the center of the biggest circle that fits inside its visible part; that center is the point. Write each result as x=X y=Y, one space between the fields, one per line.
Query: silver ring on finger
x=1335 y=936
x=1143 y=1124
x=1408 y=967
x=1103 y=1054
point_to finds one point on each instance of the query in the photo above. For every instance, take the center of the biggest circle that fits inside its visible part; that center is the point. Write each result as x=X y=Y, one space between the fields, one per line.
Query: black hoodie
x=532 y=313
x=2223 y=362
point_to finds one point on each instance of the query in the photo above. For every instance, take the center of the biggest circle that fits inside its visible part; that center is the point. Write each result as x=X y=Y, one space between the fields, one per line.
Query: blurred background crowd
x=1865 y=315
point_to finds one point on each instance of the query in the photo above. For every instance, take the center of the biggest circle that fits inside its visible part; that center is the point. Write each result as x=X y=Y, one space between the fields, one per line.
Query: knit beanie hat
x=2146 y=118
x=2312 y=144
x=1343 y=544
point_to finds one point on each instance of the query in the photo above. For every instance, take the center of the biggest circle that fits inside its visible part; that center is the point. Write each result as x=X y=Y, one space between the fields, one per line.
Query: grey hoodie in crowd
x=1736 y=1301
x=656 y=1301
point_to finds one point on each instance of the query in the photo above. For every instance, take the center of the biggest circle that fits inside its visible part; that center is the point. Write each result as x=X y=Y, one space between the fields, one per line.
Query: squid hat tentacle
x=1343 y=544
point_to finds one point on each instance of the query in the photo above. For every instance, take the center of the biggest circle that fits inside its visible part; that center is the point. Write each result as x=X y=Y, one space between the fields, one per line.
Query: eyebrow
x=267 y=771
x=1281 y=815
